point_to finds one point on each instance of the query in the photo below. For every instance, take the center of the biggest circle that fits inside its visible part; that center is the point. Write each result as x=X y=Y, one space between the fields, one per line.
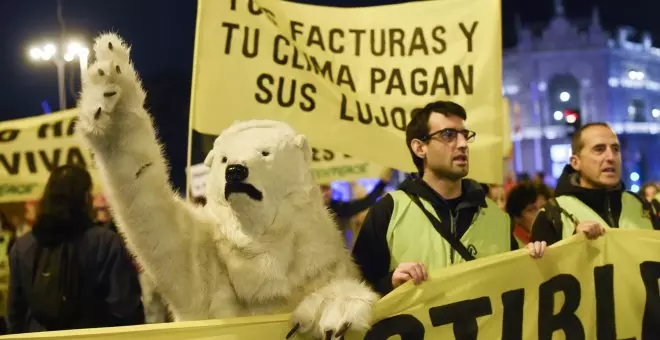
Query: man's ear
x=418 y=148
x=209 y=159
x=301 y=142
x=575 y=162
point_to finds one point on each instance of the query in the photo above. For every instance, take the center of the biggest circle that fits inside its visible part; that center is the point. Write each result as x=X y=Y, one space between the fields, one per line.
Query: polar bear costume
x=264 y=243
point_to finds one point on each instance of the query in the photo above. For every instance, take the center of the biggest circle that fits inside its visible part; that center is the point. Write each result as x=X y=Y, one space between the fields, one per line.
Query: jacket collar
x=472 y=195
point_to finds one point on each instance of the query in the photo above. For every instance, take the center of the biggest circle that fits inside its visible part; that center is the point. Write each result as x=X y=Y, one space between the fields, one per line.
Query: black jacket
x=110 y=290
x=656 y=208
x=345 y=210
x=605 y=202
x=371 y=251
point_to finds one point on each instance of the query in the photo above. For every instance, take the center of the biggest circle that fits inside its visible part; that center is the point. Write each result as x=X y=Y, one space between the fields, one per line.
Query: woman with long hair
x=69 y=273
x=65 y=209
x=650 y=193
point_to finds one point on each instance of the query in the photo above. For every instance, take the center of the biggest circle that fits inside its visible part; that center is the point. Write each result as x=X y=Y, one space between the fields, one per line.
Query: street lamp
x=48 y=52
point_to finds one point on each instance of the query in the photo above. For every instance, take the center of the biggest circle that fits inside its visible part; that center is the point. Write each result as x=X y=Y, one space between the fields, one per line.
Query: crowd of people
x=440 y=217
x=435 y=218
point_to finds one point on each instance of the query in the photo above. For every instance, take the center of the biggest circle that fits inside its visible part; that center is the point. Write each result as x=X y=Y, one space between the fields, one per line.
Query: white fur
x=155 y=310
x=235 y=256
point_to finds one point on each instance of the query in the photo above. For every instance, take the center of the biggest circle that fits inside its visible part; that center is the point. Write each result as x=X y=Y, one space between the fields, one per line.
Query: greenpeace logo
x=341 y=171
x=16 y=189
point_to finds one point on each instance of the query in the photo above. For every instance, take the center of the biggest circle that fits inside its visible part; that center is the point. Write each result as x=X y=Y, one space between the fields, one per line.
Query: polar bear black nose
x=236 y=173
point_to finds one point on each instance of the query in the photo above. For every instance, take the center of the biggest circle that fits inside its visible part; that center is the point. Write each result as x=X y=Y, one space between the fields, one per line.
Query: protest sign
x=31 y=147
x=350 y=85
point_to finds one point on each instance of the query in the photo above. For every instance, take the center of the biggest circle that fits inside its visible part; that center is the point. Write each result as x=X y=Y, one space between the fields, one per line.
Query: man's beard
x=451 y=174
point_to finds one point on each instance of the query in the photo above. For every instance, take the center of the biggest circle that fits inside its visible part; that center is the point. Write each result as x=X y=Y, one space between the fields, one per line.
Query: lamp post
x=49 y=52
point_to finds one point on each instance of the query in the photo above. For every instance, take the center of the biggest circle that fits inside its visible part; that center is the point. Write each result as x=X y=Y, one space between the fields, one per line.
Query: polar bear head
x=256 y=166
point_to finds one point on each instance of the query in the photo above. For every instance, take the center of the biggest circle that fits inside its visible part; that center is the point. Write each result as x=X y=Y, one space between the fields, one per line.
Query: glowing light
x=613 y=82
x=558 y=115
x=50 y=48
x=74 y=47
x=636 y=75
x=634 y=188
x=35 y=53
x=655 y=113
x=634 y=176
x=559 y=153
x=49 y=51
x=564 y=96
x=572 y=118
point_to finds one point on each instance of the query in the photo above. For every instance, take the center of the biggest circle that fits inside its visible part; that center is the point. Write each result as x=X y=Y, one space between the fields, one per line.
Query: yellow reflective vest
x=633 y=215
x=411 y=237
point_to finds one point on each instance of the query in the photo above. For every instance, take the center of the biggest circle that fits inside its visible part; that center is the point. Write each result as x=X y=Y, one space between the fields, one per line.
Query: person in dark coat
x=343 y=211
x=108 y=285
x=649 y=193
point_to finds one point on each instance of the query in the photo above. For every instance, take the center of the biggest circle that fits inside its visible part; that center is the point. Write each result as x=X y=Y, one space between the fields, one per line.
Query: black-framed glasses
x=450 y=134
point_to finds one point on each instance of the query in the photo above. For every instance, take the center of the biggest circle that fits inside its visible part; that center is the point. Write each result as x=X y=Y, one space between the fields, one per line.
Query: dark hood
x=473 y=194
x=603 y=201
x=456 y=215
x=52 y=230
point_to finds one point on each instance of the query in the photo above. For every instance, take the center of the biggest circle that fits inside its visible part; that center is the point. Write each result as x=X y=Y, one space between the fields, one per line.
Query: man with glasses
x=438 y=219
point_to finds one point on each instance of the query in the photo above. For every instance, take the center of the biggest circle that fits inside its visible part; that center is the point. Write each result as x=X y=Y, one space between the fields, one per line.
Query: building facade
x=570 y=73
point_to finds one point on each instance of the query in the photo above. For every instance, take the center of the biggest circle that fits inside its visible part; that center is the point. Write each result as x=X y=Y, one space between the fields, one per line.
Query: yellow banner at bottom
x=581 y=289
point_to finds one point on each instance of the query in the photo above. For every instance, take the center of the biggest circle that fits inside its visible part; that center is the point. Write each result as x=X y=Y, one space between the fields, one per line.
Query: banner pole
x=192 y=102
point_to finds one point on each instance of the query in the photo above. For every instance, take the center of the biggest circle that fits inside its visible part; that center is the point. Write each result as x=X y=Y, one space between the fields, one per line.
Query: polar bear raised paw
x=110 y=87
x=334 y=309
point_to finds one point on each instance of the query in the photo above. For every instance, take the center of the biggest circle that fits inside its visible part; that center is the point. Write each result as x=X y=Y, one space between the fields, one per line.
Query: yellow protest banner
x=351 y=84
x=31 y=147
x=602 y=289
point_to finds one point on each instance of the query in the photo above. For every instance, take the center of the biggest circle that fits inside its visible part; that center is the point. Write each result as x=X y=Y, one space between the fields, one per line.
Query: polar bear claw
x=105 y=82
x=341 y=305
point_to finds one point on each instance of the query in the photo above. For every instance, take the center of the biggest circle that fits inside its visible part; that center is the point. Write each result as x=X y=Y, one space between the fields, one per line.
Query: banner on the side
x=31 y=147
x=581 y=289
x=327 y=166
x=351 y=84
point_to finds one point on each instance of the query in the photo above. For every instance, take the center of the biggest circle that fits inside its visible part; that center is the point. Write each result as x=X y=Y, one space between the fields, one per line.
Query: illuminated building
x=567 y=70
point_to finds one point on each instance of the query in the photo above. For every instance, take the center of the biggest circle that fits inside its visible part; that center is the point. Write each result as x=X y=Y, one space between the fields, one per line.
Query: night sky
x=163 y=34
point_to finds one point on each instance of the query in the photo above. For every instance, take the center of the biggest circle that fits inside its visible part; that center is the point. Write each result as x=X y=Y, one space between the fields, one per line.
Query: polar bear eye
x=224 y=159
x=265 y=153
